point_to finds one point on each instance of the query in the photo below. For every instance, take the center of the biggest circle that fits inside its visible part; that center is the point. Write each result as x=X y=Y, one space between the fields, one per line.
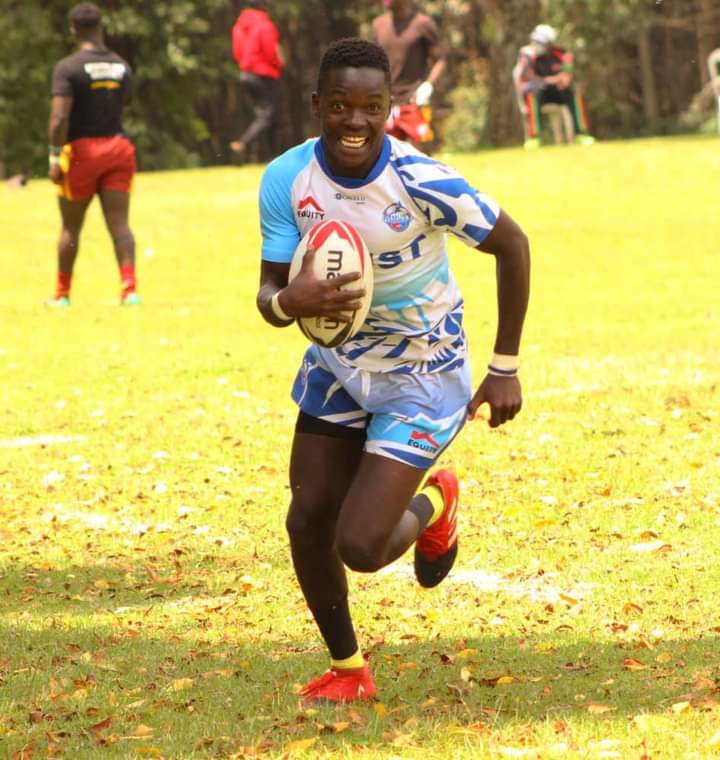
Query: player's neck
x=96 y=42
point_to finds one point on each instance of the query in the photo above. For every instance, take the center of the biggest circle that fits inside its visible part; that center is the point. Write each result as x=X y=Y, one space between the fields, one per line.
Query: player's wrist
x=278 y=310
x=504 y=365
x=54 y=154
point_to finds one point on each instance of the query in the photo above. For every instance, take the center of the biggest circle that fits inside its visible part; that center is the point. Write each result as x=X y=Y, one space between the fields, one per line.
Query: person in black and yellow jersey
x=88 y=152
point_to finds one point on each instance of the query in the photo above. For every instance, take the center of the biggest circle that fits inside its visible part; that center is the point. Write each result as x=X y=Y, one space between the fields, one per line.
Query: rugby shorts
x=90 y=164
x=411 y=418
x=409 y=121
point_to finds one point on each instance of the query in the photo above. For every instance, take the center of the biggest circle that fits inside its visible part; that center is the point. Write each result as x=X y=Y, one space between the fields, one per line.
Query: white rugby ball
x=339 y=249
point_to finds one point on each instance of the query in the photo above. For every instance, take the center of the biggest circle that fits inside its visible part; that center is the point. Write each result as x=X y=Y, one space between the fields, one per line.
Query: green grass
x=148 y=606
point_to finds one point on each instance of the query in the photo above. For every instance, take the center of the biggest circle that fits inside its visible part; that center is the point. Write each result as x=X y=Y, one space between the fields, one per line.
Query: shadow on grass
x=207 y=692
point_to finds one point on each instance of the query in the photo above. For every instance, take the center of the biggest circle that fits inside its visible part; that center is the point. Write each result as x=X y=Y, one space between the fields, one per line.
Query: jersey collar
x=349 y=182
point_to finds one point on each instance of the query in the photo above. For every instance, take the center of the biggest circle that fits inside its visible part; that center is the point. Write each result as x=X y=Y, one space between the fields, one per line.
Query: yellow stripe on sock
x=436 y=499
x=349 y=663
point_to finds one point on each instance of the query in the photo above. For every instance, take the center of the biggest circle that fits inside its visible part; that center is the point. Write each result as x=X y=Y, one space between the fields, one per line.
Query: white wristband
x=53 y=160
x=277 y=310
x=504 y=365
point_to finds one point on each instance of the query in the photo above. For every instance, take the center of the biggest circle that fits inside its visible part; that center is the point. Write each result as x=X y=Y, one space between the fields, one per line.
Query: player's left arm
x=436 y=62
x=60 y=107
x=501 y=386
x=565 y=75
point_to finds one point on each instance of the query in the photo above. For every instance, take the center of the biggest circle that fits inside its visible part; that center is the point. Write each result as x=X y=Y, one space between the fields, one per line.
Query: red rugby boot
x=437 y=546
x=336 y=686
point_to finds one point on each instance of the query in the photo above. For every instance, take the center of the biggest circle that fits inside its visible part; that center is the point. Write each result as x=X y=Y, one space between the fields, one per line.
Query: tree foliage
x=188 y=104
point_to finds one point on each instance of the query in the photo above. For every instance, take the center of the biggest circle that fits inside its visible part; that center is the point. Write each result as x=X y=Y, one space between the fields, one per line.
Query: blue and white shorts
x=409 y=418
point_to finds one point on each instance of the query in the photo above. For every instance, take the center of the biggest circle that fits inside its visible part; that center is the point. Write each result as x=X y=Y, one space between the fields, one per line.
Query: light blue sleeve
x=280 y=233
x=447 y=199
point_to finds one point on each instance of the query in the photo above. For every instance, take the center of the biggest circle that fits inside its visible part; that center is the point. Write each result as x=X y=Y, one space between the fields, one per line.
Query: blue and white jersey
x=403 y=210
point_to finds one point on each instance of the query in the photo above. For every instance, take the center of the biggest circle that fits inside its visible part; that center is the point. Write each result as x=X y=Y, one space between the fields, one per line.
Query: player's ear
x=389 y=108
x=315 y=100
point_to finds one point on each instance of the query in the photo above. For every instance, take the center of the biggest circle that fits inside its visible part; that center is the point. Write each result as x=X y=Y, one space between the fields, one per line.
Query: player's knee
x=361 y=553
x=305 y=527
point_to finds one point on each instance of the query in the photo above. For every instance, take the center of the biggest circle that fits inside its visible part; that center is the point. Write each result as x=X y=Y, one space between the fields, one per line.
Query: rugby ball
x=339 y=249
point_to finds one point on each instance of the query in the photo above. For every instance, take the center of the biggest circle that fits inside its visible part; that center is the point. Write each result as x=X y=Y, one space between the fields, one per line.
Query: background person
x=411 y=41
x=88 y=151
x=544 y=74
x=376 y=412
x=255 y=46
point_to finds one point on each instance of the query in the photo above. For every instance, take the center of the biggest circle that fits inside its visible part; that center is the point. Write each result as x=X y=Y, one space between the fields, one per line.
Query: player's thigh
x=118 y=167
x=323 y=463
x=72 y=213
x=379 y=494
x=115 y=207
x=80 y=171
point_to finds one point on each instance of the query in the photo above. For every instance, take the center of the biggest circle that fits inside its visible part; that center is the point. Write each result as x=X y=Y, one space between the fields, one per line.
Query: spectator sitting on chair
x=255 y=46
x=544 y=74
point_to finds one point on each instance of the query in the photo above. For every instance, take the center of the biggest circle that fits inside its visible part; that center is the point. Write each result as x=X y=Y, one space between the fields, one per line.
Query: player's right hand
x=308 y=296
x=55 y=173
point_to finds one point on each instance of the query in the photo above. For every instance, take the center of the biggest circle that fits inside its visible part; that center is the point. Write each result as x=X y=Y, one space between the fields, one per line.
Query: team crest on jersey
x=309 y=208
x=397 y=217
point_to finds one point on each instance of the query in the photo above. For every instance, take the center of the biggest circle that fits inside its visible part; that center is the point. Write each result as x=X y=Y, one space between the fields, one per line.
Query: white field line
x=536 y=589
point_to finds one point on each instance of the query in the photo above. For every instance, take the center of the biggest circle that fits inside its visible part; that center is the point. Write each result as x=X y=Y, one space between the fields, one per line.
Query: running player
x=411 y=41
x=377 y=412
x=88 y=151
x=544 y=74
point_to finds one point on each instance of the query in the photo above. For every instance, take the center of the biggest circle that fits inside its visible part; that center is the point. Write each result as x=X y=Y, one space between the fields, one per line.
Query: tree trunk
x=649 y=93
x=509 y=23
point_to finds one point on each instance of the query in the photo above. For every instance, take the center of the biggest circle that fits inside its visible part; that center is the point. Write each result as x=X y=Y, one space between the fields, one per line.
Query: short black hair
x=85 y=16
x=352 y=52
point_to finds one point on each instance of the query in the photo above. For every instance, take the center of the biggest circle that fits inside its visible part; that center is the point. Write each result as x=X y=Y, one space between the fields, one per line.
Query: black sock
x=423 y=509
x=337 y=630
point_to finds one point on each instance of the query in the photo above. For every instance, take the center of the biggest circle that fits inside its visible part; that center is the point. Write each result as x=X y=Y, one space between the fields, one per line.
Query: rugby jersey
x=403 y=210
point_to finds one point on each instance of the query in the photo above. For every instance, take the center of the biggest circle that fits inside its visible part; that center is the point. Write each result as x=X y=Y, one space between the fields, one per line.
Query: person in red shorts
x=411 y=41
x=89 y=154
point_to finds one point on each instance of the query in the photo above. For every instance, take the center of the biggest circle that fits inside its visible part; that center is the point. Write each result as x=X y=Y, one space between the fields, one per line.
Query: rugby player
x=376 y=412
x=89 y=153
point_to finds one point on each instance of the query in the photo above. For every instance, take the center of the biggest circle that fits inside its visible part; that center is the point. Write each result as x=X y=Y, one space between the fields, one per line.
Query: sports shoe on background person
x=57 y=302
x=339 y=685
x=131 y=299
x=437 y=546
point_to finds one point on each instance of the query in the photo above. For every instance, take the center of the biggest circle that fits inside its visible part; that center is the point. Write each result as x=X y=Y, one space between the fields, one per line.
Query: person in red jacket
x=255 y=46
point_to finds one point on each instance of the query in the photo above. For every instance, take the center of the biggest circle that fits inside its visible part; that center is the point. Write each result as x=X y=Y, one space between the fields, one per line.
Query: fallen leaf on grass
x=97 y=728
x=300 y=745
x=407 y=666
x=630 y=608
x=681 y=707
x=629 y=663
x=180 y=684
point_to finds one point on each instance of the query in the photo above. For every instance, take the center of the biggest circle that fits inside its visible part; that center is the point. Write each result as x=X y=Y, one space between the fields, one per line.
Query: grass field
x=147 y=602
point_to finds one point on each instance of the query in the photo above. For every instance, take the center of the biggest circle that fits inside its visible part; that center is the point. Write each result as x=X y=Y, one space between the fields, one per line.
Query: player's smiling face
x=352 y=107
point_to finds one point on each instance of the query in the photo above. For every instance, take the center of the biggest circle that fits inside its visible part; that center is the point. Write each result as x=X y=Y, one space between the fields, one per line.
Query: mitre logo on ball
x=339 y=249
